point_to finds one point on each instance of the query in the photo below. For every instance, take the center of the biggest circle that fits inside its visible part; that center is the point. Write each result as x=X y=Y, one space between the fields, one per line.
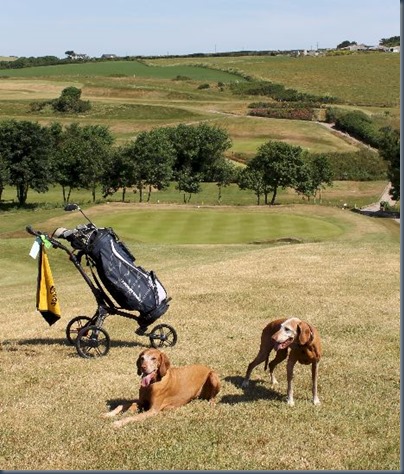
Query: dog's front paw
x=117 y=424
x=291 y=402
x=316 y=401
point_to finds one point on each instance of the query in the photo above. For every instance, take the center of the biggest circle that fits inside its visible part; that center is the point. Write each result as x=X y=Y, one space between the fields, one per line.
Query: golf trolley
x=112 y=269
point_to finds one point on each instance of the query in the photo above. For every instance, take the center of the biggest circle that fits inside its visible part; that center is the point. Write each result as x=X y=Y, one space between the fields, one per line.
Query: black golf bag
x=131 y=286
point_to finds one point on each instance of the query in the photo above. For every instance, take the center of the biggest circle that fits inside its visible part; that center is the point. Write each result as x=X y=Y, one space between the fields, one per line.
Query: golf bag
x=131 y=286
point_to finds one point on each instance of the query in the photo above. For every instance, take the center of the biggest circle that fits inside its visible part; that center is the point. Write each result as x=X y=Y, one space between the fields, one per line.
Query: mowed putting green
x=216 y=226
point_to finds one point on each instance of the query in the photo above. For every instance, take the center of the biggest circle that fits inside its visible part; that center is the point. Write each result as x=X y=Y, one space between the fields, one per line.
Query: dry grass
x=222 y=298
x=248 y=133
x=361 y=79
x=129 y=105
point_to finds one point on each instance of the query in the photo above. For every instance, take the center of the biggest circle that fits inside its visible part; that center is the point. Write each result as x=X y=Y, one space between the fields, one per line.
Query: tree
x=66 y=157
x=250 y=178
x=4 y=173
x=157 y=154
x=313 y=176
x=150 y=158
x=117 y=173
x=198 y=147
x=390 y=151
x=224 y=173
x=345 y=44
x=81 y=157
x=69 y=101
x=96 y=142
x=188 y=183
x=278 y=162
x=390 y=42
x=26 y=148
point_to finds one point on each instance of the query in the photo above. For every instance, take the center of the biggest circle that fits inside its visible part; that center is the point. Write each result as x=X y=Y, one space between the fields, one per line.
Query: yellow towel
x=47 y=302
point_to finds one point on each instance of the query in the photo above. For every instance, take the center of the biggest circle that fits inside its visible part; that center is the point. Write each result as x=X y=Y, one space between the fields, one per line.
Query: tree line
x=33 y=156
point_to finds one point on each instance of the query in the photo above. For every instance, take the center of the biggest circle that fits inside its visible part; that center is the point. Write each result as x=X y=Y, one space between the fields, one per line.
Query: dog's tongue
x=281 y=345
x=146 y=379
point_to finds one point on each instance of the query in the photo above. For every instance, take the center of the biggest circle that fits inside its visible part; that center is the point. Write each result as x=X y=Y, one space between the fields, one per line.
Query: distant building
x=109 y=56
x=77 y=56
x=356 y=47
x=377 y=48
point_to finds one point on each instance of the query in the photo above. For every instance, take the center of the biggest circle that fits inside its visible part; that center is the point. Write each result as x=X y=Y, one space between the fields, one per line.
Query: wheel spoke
x=97 y=349
x=86 y=350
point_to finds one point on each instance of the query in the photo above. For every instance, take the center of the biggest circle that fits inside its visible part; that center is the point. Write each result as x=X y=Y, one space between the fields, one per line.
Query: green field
x=131 y=96
x=123 y=68
x=353 y=193
x=360 y=79
x=229 y=268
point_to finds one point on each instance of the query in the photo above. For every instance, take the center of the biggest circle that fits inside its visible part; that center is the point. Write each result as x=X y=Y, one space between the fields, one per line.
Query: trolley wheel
x=92 y=342
x=163 y=335
x=74 y=327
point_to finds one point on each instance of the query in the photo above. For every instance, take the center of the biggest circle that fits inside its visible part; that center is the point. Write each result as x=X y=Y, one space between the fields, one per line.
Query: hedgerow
x=363 y=165
x=360 y=126
x=277 y=92
x=295 y=113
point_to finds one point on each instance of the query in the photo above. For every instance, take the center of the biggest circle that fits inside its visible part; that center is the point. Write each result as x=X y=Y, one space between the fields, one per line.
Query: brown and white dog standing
x=296 y=337
x=163 y=387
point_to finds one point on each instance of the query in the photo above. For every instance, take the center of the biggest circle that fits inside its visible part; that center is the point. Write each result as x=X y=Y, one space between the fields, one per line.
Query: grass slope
x=123 y=68
x=361 y=79
x=132 y=96
x=223 y=295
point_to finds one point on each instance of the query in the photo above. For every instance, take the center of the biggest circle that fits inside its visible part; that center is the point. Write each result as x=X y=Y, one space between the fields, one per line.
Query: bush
x=364 y=165
x=69 y=101
x=277 y=92
x=181 y=78
x=333 y=113
x=302 y=113
x=37 y=106
x=360 y=126
x=204 y=86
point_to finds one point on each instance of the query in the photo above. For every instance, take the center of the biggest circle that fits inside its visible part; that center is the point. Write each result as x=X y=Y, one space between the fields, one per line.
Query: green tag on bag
x=46 y=242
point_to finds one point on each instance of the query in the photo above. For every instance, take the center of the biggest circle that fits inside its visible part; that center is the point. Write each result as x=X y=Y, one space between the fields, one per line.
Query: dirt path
x=348 y=137
x=374 y=208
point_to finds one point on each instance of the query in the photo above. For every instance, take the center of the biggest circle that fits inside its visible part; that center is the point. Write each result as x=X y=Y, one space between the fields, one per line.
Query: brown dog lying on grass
x=163 y=387
x=296 y=337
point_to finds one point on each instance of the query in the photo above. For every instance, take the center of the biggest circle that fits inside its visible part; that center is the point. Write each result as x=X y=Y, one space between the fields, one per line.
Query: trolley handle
x=39 y=234
x=31 y=231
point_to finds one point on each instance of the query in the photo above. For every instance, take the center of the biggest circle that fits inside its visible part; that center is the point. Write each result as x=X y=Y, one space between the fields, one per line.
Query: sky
x=178 y=27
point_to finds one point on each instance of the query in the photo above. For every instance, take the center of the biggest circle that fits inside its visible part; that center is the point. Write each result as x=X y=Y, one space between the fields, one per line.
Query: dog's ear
x=303 y=332
x=139 y=363
x=164 y=364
